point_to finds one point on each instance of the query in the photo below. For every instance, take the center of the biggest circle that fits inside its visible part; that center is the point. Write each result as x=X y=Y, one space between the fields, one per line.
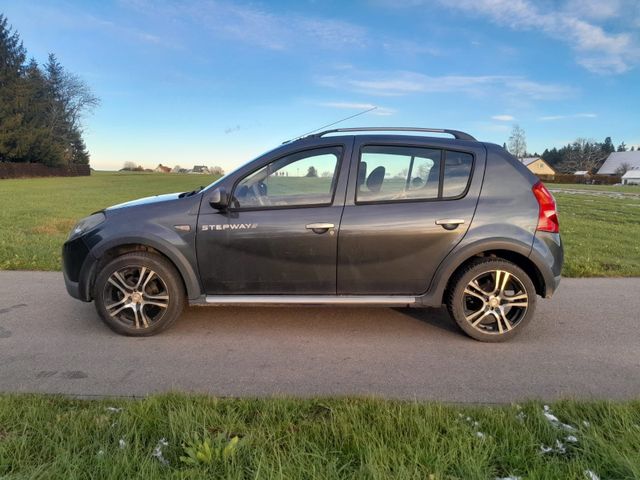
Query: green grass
x=53 y=437
x=600 y=233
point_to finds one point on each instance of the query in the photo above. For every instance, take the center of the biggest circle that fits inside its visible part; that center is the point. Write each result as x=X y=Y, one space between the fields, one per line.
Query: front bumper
x=77 y=268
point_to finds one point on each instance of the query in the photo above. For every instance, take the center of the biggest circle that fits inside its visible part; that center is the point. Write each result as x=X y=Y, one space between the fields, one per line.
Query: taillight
x=548 y=215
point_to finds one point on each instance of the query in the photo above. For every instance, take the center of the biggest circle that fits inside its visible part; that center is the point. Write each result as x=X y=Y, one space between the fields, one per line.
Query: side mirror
x=219 y=199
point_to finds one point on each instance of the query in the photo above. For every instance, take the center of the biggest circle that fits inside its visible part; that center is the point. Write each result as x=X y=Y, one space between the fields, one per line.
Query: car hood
x=146 y=201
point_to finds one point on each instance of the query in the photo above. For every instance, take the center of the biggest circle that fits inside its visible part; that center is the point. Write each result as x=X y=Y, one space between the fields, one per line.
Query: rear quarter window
x=457 y=169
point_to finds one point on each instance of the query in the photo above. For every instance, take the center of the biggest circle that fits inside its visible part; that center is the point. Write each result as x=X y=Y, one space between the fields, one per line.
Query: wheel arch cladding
x=111 y=249
x=522 y=261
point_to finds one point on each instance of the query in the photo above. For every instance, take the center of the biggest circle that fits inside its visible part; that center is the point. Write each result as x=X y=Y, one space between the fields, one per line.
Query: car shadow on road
x=436 y=317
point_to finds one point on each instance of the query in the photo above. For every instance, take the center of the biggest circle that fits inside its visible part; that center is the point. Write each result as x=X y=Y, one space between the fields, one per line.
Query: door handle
x=449 y=223
x=319 y=227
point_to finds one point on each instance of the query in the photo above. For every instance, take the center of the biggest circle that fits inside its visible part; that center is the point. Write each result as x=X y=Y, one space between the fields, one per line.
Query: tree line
x=580 y=155
x=41 y=107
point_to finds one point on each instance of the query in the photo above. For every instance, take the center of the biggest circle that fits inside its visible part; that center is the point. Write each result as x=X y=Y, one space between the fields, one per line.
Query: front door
x=279 y=234
x=393 y=233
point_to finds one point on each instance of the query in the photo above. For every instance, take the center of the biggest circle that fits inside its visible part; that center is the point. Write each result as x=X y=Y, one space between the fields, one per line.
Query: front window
x=301 y=179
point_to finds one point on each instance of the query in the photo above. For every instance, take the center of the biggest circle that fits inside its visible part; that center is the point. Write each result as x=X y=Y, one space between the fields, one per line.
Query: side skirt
x=344 y=300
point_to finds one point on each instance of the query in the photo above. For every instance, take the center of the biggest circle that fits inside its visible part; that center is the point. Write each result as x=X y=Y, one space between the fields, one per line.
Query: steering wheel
x=262 y=200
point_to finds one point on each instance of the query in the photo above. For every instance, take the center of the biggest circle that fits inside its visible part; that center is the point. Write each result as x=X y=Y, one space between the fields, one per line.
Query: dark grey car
x=343 y=217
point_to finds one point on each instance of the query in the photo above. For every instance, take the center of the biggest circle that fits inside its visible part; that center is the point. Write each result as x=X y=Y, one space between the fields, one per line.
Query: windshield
x=216 y=182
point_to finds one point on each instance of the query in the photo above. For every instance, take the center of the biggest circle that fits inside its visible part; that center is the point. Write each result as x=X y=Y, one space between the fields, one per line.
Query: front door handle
x=449 y=223
x=319 y=227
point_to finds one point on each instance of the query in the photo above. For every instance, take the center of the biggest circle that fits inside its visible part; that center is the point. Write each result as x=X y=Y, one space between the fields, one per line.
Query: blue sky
x=218 y=82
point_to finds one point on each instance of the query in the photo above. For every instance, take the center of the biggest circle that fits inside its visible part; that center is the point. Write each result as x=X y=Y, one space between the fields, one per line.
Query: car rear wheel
x=491 y=299
x=139 y=294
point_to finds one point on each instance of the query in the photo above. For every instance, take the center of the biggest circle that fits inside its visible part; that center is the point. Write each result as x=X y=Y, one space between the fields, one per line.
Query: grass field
x=52 y=437
x=600 y=233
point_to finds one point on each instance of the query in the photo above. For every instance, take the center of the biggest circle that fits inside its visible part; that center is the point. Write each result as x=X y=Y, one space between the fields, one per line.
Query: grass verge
x=600 y=233
x=181 y=436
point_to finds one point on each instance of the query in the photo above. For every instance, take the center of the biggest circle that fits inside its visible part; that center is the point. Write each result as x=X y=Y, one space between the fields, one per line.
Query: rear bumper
x=548 y=254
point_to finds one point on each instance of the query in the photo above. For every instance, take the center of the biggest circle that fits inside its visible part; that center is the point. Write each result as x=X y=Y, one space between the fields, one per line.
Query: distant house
x=538 y=166
x=582 y=173
x=162 y=169
x=632 y=177
x=616 y=160
x=200 y=169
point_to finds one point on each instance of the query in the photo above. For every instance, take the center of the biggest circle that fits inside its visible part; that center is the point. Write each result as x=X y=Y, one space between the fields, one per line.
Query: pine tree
x=40 y=110
x=12 y=58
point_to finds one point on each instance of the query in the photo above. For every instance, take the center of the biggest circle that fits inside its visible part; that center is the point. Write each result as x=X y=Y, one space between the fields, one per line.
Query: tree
x=216 y=170
x=70 y=98
x=623 y=168
x=129 y=165
x=583 y=155
x=622 y=147
x=607 y=145
x=518 y=142
x=312 y=172
x=12 y=59
x=40 y=108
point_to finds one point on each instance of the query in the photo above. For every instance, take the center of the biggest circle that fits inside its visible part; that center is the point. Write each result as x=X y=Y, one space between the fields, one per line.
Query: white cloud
x=549 y=118
x=254 y=25
x=574 y=23
x=399 y=83
x=503 y=118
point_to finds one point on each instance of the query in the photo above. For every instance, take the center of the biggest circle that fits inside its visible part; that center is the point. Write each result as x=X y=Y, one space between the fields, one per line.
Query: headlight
x=87 y=224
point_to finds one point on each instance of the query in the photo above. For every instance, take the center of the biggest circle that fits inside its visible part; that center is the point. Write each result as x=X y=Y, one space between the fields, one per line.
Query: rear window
x=390 y=173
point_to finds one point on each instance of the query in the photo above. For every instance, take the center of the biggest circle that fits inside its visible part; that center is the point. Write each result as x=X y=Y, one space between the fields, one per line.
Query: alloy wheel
x=495 y=302
x=136 y=296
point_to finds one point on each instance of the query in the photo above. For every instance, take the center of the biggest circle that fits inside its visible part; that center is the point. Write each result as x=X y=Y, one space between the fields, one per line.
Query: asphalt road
x=584 y=343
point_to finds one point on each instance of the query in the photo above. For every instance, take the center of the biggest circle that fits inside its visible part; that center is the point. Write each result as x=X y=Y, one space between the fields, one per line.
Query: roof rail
x=458 y=135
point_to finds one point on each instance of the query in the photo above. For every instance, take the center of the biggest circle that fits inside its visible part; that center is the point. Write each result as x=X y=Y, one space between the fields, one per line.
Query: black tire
x=139 y=304
x=487 y=317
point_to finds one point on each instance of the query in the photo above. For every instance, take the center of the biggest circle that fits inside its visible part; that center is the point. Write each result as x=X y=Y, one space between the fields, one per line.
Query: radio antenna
x=334 y=123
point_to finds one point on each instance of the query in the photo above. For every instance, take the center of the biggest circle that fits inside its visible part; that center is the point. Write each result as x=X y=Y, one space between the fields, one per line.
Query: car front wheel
x=491 y=299
x=139 y=294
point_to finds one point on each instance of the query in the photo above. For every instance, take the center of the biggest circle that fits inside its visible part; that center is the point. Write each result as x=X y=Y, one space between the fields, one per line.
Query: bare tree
x=518 y=142
x=623 y=168
x=129 y=165
x=584 y=155
x=216 y=170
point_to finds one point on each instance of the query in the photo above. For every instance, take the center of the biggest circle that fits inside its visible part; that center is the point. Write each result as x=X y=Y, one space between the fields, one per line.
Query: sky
x=219 y=82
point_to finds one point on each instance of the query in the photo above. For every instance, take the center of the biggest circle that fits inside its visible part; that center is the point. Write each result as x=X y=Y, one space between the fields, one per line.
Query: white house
x=616 y=159
x=581 y=173
x=632 y=177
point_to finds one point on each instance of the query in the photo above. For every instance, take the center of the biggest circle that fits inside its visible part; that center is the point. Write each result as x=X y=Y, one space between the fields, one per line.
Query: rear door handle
x=449 y=223
x=319 y=227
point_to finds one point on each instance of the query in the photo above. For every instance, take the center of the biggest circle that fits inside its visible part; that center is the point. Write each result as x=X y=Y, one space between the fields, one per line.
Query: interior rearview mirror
x=218 y=199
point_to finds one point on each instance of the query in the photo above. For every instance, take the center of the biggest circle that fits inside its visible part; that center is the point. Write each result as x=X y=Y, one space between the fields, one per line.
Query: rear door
x=410 y=202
